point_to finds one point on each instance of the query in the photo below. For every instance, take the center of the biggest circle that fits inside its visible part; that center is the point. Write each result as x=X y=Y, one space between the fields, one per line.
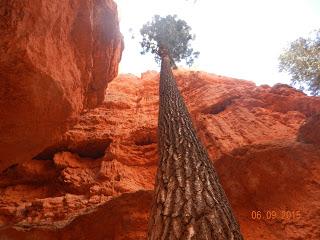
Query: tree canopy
x=171 y=34
x=302 y=61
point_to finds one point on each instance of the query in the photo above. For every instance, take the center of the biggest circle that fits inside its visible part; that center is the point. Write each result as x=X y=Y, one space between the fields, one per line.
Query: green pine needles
x=170 y=34
x=302 y=61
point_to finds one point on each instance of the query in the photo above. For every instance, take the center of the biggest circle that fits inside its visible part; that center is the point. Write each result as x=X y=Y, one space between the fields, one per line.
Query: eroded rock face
x=56 y=59
x=103 y=169
x=310 y=131
x=280 y=182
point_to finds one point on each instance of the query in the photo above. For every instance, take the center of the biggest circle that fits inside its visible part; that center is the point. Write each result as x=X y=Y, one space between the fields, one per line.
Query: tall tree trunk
x=189 y=202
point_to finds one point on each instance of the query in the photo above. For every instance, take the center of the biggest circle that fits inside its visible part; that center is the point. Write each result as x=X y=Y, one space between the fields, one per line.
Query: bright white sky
x=236 y=38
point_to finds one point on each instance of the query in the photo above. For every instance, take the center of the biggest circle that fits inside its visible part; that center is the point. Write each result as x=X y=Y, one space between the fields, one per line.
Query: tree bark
x=189 y=202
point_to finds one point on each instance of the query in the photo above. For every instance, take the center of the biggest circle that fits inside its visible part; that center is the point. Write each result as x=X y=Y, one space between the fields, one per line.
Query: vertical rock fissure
x=189 y=202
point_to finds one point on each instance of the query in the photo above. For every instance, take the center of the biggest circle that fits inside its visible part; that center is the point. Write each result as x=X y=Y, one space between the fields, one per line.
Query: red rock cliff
x=97 y=181
x=56 y=59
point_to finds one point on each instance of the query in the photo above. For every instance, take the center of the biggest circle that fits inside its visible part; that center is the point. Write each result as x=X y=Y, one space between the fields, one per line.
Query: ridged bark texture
x=189 y=202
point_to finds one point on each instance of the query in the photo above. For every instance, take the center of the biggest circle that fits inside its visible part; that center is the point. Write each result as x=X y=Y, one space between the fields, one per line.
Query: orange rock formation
x=56 y=59
x=96 y=181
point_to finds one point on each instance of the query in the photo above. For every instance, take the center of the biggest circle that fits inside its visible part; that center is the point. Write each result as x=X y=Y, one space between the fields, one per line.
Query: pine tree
x=302 y=61
x=189 y=202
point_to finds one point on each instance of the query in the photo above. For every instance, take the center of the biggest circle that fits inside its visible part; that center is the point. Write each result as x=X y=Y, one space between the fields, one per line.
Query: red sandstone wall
x=56 y=59
x=107 y=162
